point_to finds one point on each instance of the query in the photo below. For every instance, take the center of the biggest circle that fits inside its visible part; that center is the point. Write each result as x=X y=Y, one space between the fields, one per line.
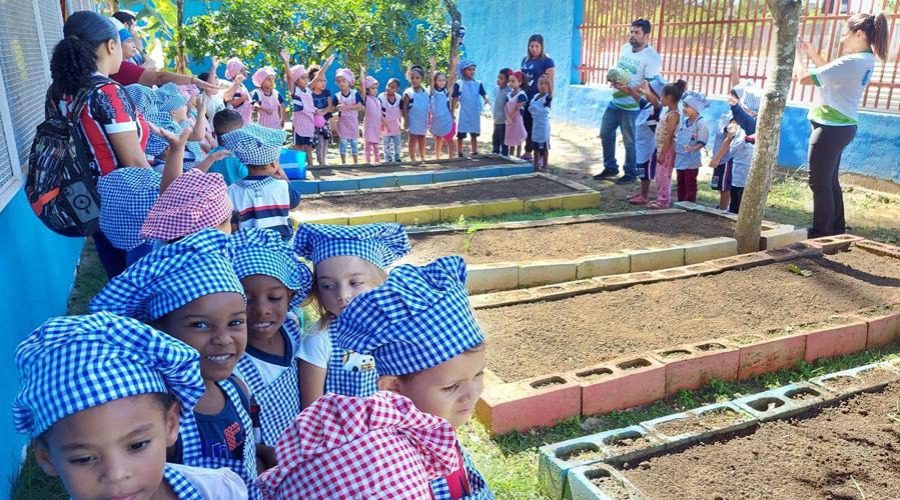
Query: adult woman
x=536 y=64
x=834 y=115
x=116 y=133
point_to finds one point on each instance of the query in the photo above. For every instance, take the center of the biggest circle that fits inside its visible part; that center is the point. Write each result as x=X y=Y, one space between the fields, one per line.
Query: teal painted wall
x=36 y=276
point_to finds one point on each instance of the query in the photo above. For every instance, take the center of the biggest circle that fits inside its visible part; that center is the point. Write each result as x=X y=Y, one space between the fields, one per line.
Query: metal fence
x=700 y=40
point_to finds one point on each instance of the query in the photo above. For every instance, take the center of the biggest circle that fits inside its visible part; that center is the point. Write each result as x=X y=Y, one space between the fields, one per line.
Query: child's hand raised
x=215 y=61
x=171 y=138
x=285 y=56
x=329 y=60
x=432 y=61
x=240 y=78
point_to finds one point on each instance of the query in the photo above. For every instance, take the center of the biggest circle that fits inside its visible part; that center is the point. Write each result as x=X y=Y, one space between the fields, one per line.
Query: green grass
x=509 y=462
x=33 y=484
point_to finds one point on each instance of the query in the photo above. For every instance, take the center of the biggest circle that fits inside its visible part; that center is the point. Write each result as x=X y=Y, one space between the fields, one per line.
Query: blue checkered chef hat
x=73 y=363
x=749 y=94
x=254 y=144
x=156 y=144
x=170 y=278
x=169 y=98
x=380 y=244
x=464 y=64
x=126 y=196
x=419 y=318
x=695 y=100
x=656 y=85
x=143 y=97
x=262 y=251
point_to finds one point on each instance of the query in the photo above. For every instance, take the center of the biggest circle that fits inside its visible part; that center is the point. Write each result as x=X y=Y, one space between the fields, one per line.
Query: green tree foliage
x=361 y=31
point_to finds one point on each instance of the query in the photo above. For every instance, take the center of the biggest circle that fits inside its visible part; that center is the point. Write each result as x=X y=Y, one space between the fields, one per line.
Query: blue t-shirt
x=534 y=69
x=320 y=101
x=230 y=168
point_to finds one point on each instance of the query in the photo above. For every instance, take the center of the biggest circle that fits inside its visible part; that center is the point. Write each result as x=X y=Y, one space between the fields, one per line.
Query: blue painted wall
x=36 y=276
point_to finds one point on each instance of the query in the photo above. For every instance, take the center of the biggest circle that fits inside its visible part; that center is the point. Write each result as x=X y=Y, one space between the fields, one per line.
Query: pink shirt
x=372 y=122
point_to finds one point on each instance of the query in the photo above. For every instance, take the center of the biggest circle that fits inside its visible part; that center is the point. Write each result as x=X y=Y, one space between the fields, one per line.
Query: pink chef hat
x=370 y=81
x=345 y=447
x=195 y=200
x=298 y=71
x=261 y=74
x=346 y=73
x=233 y=67
x=189 y=90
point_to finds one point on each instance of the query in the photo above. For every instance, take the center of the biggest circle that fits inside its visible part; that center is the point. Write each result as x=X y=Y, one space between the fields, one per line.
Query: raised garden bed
x=446 y=201
x=427 y=165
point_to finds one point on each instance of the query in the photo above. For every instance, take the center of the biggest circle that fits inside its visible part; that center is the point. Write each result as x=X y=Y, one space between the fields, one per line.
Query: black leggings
x=826 y=144
x=526 y=116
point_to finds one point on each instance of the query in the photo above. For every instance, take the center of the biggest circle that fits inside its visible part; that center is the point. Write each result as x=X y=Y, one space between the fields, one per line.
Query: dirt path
x=516 y=188
x=535 y=339
x=569 y=240
x=851 y=450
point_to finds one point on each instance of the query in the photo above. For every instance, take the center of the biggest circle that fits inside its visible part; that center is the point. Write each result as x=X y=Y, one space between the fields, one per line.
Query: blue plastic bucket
x=293 y=162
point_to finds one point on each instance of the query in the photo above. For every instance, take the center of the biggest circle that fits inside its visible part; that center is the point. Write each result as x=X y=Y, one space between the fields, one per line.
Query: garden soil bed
x=546 y=337
x=332 y=172
x=436 y=195
x=567 y=241
x=850 y=450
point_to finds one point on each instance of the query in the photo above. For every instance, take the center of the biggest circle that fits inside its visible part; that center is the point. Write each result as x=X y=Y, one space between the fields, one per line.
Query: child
x=415 y=105
x=539 y=107
x=649 y=108
x=236 y=96
x=104 y=439
x=322 y=101
x=346 y=262
x=230 y=168
x=390 y=122
x=267 y=101
x=212 y=95
x=669 y=119
x=303 y=119
x=348 y=102
x=689 y=140
x=419 y=327
x=189 y=290
x=194 y=201
x=275 y=283
x=169 y=100
x=442 y=126
x=515 y=124
x=263 y=198
x=501 y=96
x=372 y=120
x=739 y=146
x=722 y=164
x=469 y=93
x=387 y=449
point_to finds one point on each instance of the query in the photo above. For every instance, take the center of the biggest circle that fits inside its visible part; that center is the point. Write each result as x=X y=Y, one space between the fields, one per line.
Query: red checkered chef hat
x=195 y=200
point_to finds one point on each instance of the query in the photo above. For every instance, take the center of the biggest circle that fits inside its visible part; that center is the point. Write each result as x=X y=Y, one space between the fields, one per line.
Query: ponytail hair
x=875 y=26
x=676 y=89
x=74 y=58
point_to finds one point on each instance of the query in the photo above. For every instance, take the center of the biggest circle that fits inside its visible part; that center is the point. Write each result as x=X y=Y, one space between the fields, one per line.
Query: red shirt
x=129 y=73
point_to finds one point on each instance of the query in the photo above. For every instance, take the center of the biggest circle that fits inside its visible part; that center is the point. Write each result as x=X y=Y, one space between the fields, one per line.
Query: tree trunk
x=180 y=65
x=786 y=23
x=455 y=25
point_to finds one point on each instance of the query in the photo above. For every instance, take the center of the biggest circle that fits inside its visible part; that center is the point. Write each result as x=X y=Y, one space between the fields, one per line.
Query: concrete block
x=883 y=330
x=339 y=185
x=305 y=187
x=803 y=396
x=738 y=420
x=833 y=244
x=541 y=272
x=415 y=179
x=878 y=248
x=685 y=271
x=848 y=382
x=488 y=172
x=780 y=236
x=326 y=219
x=765 y=355
x=581 y=200
x=709 y=249
x=792 y=251
x=417 y=215
x=505 y=298
x=633 y=382
x=543 y=204
x=520 y=406
x=655 y=258
x=765 y=406
x=628 y=443
x=618 y=281
x=603 y=265
x=489 y=277
x=517 y=169
x=379 y=181
x=836 y=341
x=742 y=261
x=371 y=218
x=582 y=483
x=692 y=366
x=500 y=207
x=452 y=212
x=556 y=460
x=452 y=175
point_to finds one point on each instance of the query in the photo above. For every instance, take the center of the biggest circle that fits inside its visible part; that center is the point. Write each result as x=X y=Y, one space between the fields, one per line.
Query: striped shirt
x=264 y=202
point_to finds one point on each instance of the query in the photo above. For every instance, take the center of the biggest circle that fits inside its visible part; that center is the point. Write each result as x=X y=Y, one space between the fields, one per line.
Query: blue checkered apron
x=193 y=455
x=182 y=487
x=344 y=380
x=477 y=485
x=279 y=402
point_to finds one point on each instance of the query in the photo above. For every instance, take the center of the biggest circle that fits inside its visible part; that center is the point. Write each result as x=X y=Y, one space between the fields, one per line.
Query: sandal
x=638 y=200
x=635 y=196
x=656 y=205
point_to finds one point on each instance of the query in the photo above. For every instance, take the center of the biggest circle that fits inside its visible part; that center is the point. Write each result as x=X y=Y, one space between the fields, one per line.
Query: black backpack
x=62 y=172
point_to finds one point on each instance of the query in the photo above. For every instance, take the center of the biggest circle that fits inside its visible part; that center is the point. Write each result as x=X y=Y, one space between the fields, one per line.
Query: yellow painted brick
x=326 y=219
x=372 y=218
x=414 y=216
x=452 y=212
x=581 y=200
x=543 y=204
x=503 y=207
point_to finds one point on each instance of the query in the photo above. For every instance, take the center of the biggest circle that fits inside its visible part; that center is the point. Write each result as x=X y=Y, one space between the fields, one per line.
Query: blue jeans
x=615 y=118
x=392 y=148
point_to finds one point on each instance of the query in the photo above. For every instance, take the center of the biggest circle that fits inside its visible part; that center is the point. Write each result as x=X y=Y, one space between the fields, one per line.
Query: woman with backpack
x=114 y=133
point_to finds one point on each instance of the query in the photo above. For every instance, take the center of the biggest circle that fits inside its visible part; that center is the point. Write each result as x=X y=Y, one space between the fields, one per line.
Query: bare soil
x=569 y=240
x=435 y=195
x=548 y=337
x=350 y=171
x=851 y=450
